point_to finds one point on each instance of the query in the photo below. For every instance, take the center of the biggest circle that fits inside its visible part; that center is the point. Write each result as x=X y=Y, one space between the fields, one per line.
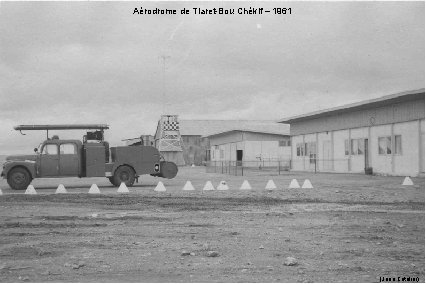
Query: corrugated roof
x=247 y=130
x=385 y=100
x=209 y=127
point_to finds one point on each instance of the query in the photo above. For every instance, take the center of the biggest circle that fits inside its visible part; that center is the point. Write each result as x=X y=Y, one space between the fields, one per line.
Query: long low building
x=251 y=147
x=384 y=135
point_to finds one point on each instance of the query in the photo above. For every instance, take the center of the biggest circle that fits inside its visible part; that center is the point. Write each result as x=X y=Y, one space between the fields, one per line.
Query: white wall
x=409 y=162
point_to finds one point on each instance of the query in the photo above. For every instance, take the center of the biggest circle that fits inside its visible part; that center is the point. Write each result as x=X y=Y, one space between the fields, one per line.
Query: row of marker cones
x=244 y=186
x=94 y=189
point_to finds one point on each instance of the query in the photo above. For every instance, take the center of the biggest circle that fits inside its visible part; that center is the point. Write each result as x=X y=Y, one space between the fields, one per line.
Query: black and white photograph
x=212 y=141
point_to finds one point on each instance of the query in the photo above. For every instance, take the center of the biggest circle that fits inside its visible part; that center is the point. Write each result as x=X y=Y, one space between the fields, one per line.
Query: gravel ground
x=349 y=228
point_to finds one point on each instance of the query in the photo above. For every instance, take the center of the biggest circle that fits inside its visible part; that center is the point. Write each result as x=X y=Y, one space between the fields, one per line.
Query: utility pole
x=164 y=57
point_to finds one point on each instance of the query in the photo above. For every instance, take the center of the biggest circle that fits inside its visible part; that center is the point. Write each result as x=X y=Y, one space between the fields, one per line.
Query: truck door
x=68 y=160
x=49 y=161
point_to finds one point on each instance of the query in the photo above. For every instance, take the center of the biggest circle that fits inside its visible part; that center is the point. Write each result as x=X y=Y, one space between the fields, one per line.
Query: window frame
x=48 y=154
x=68 y=143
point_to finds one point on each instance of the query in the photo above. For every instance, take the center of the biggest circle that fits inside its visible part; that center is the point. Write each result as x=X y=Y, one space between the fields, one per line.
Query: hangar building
x=251 y=145
x=197 y=136
x=385 y=135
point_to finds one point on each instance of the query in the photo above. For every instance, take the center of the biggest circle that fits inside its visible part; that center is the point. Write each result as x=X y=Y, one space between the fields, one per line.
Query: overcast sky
x=97 y=62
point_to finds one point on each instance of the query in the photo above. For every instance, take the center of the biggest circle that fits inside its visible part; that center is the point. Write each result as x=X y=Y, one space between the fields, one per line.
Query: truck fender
x=28 y=165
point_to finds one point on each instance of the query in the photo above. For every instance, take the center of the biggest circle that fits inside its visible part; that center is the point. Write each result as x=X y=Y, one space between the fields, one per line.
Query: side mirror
x=35 y=150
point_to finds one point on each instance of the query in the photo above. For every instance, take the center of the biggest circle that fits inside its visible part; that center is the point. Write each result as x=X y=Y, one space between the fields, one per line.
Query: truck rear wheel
x=124 y=174
x=19 y=178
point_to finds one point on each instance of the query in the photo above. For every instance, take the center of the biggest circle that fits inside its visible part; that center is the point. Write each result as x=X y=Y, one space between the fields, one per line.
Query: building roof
x=209 y=127
x=378 y=102
x=247 y=130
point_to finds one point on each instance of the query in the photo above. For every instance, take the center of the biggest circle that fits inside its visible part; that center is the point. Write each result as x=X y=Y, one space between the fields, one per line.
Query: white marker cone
x=270 y=185
x=294 y=184
x=245 y=185
x=208 y=186
x=61 y=189
x=1 y=192
x=188 y=186
x=222 y=186
x=94 y=189
x=123 y=188
x=407 y=181
x=30 y=190
x=307 y=184
x=193 y=166
x=160 y=187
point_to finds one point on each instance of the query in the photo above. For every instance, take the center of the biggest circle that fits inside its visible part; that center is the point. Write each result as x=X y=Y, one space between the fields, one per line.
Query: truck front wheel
x=19 y=178
x=124 y=174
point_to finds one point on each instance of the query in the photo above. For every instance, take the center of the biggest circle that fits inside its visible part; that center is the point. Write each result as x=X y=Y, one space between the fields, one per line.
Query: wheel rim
x=19 y=178
x=124 y=176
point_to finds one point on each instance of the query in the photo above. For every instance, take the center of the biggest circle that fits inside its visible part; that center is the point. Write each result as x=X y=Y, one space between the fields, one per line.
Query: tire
x=19 y=178
x=111 y=180
x=124 y=174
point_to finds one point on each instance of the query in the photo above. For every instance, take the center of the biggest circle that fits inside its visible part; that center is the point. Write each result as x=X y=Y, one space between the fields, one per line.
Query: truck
x=89 y=157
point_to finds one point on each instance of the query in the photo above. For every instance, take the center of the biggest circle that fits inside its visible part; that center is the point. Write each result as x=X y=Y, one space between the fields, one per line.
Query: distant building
x=386 y=134
x=197 y=136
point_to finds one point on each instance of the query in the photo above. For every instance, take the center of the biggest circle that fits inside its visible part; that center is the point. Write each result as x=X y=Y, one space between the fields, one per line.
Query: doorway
x=239 y=157
x=366 y=158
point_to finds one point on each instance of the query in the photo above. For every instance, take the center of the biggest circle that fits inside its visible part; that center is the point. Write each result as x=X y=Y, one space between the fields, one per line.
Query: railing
x=240 y=168
x=277 y=167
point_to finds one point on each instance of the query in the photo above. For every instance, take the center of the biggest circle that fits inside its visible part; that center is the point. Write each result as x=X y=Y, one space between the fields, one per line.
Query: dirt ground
x=349 y=228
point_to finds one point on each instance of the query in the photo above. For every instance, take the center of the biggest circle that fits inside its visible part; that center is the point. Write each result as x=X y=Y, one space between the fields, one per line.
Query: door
x=239 y=157
x=326 y=154
x=422 y=153
x=49 y=161
x=367 y=158
x=68 y=160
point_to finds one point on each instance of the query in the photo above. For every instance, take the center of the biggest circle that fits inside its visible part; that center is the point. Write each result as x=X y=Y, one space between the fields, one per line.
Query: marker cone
x=270 y=185
x=94 y=189
x=30 y=190
x=188 y=186
x=160 y=187
x=61 y=189
x=294 y=184
x=245 y=185
x=123 y=188
x=307 y=184
x=208 y=186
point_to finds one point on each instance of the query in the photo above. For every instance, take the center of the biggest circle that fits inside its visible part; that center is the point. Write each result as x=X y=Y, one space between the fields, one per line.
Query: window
x=385 y=145
x=312 y=152
x=354 y=147
x=361 y=146
x=398 y=145
x=284 y=143
x=221 y=154
x=301 y=149
x=357 y=146
x=67 y=149
x=50 y=149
